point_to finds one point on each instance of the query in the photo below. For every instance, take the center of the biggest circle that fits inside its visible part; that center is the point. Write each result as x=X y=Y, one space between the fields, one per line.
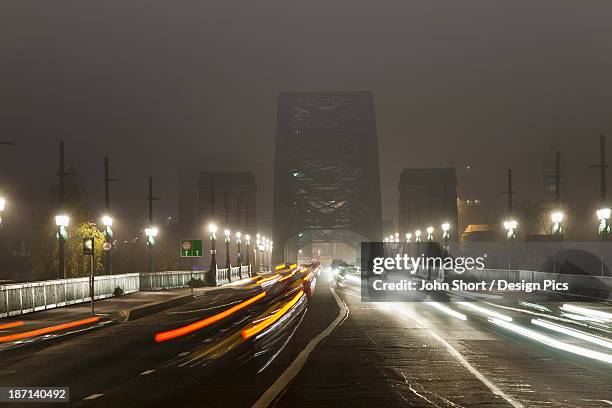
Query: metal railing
x=30 y=297
x=20 y=298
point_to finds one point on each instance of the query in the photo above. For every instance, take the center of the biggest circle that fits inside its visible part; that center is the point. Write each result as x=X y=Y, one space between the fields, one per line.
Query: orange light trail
x=247 y=333
x=268 y=279
x=10 y=325
x=46 y=330
x=190 y=328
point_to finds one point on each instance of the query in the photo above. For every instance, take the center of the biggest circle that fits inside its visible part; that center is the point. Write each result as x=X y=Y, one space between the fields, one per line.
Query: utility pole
x=61 y=233
x=108 y=234
x=557 y=179
x=151 y=240
x=602 y=166
x=510 y=192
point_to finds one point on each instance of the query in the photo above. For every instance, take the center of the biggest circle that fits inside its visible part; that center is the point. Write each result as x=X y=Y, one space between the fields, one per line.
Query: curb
x=154 y=307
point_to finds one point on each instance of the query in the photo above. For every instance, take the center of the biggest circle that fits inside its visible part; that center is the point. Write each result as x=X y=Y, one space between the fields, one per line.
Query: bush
x=118 y=291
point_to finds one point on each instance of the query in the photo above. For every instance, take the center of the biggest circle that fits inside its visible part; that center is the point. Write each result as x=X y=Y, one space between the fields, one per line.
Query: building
x=428 y=197
x=229 y=199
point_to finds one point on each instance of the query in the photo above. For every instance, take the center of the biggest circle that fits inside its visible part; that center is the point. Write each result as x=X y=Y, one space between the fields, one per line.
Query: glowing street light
x=2 y=206
x=408 y=237
x=227 y=233
x=212 y=230
x=238 y=254
x=107 y=221
x=510 y=227
x=397 y=237
x=151 y=234
x=557 y=220
x=603 y=215
x=247 y=241
x=445 y=231
x=430 y=231
x=417 y=235
x=62 y=221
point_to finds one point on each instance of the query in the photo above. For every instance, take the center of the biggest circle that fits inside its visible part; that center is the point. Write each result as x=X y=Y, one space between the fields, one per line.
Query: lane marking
x=93 y=397
x=453 y=351
x=296 y=366
x=183 y=354
x=147 y=372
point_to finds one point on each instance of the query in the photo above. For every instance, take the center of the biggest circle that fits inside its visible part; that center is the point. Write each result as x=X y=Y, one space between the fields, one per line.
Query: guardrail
x=21 y=298
x=30 y=297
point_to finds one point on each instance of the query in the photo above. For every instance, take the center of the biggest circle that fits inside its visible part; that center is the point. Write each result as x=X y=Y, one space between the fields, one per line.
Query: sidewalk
x=49 y=323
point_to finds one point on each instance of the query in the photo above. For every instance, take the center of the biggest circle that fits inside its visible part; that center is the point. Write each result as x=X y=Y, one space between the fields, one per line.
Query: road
x=329 y=350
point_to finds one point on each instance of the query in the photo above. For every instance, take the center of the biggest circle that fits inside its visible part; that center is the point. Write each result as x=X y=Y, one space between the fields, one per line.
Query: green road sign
x=191 y=248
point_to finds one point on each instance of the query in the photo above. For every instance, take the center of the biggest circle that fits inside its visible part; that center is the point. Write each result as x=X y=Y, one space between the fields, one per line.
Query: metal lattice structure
x=326 y=182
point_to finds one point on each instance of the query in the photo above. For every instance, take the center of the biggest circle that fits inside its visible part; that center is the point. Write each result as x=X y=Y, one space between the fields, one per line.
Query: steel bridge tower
x=326 y=175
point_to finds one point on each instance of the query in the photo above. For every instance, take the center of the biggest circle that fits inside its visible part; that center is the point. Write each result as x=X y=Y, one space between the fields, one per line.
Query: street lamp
x=212 y=229
x=151 y=233
x=417 y=235
x=271 y=249
x=257 y=251
x=430 y=231
x=107 y=221
x=397 y=237
x=238 y=254
x=445 y=231
x=408 y=237
x=228 y=264
x=603 y=215
x=557 y=220
x=2 y=205
x=247 y=241
x=62 y=221
x=510 y=227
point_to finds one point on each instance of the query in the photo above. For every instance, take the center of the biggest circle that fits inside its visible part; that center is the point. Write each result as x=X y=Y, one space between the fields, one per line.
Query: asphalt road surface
x=329 y=350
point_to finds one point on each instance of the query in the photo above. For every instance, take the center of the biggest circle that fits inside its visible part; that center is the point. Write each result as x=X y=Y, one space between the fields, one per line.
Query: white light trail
x=572 y=332
x=484 y=311
x=549 y=341
x=447 y=310
x=598 y=314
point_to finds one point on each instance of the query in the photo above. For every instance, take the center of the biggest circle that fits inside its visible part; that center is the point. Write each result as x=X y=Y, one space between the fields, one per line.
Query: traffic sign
x=107 y=246
x=88 y=246
x=191 y=248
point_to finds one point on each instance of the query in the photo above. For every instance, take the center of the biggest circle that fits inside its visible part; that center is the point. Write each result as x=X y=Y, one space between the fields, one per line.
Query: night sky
x=156 y=84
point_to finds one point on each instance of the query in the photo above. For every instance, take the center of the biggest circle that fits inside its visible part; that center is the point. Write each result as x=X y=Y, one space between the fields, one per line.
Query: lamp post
x=238 y=254
x=151 y=233
x=257 y=249
x=603 y=215
x=212 y=229
x=445 y=232
x=247 y=242
x=62 y=221
x=2 y=206
x=557 y=220
x=228 y=264
x=107 y=221
x=510 y=227
x=430 y=231
x=417 y=235
x=271 y=249
x=408 y=237
x=397 y=237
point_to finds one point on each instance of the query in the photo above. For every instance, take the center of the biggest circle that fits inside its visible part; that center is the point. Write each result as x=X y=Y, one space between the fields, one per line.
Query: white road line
x=93 y=396
x=292 y=371
x=147 y=372
x=453 y=351
x=183 y=354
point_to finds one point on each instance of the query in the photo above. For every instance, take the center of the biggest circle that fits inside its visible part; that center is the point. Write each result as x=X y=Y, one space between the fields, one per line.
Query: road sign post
x=88 y=250
x=191 y=248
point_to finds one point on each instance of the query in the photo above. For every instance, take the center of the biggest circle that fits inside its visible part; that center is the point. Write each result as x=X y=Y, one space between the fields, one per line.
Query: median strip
x=46 y=330
x=182 y=331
